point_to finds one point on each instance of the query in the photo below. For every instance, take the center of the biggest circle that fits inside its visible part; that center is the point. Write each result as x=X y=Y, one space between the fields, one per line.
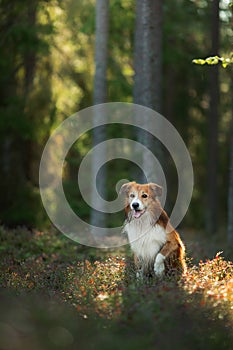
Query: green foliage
x=224 y=61
x=46 y=74
x=27 y=209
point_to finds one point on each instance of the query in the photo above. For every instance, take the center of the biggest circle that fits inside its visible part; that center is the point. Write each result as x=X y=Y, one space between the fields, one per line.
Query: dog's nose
x=135 y=205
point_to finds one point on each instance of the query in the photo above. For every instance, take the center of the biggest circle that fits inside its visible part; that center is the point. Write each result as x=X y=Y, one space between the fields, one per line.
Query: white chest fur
x=145 y=239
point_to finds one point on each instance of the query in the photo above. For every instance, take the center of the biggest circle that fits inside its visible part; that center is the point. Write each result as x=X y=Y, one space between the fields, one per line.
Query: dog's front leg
x=159 y=266
x=167 y=249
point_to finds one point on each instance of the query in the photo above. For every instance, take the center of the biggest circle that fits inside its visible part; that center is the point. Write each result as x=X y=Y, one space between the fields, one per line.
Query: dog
x=158 y=248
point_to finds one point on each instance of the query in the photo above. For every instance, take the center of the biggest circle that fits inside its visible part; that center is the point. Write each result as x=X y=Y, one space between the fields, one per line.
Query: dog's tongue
x=137 y=213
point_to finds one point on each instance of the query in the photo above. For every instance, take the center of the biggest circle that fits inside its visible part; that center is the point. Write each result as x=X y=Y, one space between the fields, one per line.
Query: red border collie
x=156 y=245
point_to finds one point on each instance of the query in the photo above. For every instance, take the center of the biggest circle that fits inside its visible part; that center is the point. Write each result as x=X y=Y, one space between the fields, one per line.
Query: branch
x=224 y=61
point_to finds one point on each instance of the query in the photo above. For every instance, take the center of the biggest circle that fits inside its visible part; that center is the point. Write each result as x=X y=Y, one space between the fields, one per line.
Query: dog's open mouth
x=138 y=213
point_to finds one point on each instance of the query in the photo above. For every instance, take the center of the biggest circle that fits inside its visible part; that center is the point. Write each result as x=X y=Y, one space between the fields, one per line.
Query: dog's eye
x=132 y=195
x=144 y=195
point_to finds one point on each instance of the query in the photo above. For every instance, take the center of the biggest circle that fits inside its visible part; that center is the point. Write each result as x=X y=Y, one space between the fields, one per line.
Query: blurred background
x=58 y=57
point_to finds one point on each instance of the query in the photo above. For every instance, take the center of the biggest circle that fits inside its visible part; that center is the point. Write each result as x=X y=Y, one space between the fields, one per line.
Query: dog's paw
x=139 y=275
x=159 y=269
x=159 y=266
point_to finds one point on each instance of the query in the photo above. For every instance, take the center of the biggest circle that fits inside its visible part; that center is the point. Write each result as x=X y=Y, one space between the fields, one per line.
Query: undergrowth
x=57 y=294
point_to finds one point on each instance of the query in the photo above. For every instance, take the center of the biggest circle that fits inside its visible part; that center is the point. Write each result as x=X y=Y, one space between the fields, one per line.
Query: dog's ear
x=126 y=187
x=157 y=190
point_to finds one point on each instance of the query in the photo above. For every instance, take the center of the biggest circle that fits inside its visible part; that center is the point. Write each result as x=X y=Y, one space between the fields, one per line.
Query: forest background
x=47 y=69
x=57 y=58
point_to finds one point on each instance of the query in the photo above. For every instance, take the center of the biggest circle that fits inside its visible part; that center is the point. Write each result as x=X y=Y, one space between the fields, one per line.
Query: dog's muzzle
x=137 y=209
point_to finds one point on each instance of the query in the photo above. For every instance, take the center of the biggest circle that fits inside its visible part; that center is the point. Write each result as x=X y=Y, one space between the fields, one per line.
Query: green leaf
x=199 y=61
x=225 y=64
x=225 y=61
x=212 y=60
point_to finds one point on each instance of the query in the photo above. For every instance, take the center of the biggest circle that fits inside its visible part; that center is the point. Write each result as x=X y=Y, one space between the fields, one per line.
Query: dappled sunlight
x=212 y=280
x=101 y=289
x=97 y=286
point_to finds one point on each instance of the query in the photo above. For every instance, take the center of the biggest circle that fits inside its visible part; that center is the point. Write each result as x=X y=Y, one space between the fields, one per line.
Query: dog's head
x=140 y=198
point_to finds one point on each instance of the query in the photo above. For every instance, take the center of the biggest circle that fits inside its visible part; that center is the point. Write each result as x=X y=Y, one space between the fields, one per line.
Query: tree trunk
x=30 y=55
x=15 y=152
x=29 y=74
x=98 y=218
x=147 y=53
x=138 y=46
x=148 y=70
x=230 y=191
x=212 y=181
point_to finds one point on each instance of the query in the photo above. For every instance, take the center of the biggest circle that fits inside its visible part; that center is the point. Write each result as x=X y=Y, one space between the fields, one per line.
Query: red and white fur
x=155 y=243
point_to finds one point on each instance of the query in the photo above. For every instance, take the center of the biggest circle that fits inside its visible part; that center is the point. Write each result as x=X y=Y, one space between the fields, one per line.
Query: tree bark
x=138 y=45
x=148 y=70
x=212 y=165
x=147 y=53
x=30 y=55
x=230 y=190
x=98 y=218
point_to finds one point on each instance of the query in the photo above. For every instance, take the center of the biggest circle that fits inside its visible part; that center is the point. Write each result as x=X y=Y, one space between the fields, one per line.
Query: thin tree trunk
x=156 y=38
x=100 y=96
x=101 y=51
x=148 y=70
x=30 y=55
x=230 y=191
x=30 y=146
x=138 y=45
x=212 y=166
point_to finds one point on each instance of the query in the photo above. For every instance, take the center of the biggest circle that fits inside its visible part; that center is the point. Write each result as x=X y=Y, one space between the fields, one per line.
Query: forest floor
x=56 y=294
